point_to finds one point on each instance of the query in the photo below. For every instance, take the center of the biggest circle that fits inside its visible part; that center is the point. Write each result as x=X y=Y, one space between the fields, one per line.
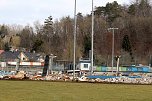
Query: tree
x=87 y=46
x=132 y=9
x=140 y=8
x=48 y=32
x=99 y=11
x=56 y=37
x=144 y=8
x=15 y=41
x=112 y=11
x=6 y=47
x=126 y=46
x=27 y=37
x=38 y=27
x=48 y=26
x=36 y=46
x=3 y=31
x=67 y=37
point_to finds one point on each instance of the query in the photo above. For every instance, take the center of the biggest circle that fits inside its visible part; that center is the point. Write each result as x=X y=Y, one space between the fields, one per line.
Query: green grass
x=65 y=91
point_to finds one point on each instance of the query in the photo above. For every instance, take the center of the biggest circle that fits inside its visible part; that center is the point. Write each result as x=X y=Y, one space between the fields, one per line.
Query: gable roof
x=32 y=56
x=9 y=55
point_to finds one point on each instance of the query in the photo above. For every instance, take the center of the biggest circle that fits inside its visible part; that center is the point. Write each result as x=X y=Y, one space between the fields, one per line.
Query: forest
x=133 y=39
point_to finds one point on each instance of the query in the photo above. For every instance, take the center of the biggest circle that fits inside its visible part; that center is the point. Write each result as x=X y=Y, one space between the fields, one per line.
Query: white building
x=84 y=65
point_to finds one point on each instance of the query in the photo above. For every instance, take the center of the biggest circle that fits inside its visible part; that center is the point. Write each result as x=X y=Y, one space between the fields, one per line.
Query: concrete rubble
x=143 y=79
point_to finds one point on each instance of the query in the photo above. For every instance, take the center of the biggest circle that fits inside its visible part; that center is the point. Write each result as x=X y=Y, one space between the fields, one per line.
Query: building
x=11 y=58
x=84 y=65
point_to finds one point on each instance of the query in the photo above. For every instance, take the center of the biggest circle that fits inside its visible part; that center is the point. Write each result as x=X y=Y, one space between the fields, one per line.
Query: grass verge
x=67 y=91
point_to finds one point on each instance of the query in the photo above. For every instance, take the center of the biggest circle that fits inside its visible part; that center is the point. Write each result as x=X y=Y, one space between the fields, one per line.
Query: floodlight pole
x=92 y=39
x=113 y=29
x=150 y=64
x=75 y=27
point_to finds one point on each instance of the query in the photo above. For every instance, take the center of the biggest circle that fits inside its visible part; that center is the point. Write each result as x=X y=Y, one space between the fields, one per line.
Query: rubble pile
x=123 y=79
x=21 y=75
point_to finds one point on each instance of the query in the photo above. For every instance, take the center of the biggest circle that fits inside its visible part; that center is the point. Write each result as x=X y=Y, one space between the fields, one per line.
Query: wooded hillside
x=133 y=39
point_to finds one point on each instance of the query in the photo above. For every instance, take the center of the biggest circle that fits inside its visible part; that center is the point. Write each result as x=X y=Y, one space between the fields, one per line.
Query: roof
x=32 y=56
x=1 y=51
x=9 y=55
x=85 y=61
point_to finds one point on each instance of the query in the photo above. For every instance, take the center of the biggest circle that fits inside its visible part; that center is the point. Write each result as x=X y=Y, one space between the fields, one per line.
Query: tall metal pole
x=92 y=38
x=150 y=64
x=112 y=44
x=74 y=55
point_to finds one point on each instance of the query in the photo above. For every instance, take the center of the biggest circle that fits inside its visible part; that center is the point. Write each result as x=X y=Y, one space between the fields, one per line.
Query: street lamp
x=74 y=32
x=113 y=29
x=92 y=39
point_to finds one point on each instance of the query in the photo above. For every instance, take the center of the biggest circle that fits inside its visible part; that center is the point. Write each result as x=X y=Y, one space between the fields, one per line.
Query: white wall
x=83 y=68
x=2 y=64
x=27 y=63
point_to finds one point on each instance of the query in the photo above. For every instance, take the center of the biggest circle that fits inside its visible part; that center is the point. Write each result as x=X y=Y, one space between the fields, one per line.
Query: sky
x=23 y=12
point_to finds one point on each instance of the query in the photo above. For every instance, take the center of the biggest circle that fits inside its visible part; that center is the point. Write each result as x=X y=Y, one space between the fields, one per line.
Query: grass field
x=65 y=91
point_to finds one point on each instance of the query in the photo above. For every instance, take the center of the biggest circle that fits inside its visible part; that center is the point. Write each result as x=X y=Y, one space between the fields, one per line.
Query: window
x=85 y=65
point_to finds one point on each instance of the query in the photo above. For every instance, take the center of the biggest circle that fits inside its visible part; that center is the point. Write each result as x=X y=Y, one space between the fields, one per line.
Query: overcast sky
x=27 y=11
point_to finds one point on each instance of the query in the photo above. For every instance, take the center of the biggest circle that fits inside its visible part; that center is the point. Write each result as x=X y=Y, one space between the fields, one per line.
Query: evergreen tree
x=48 y=25
x=6 y=47
x=36 y=46
x=112 y=11
x=87 y=46
x=126 y=46
x=132 y=9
